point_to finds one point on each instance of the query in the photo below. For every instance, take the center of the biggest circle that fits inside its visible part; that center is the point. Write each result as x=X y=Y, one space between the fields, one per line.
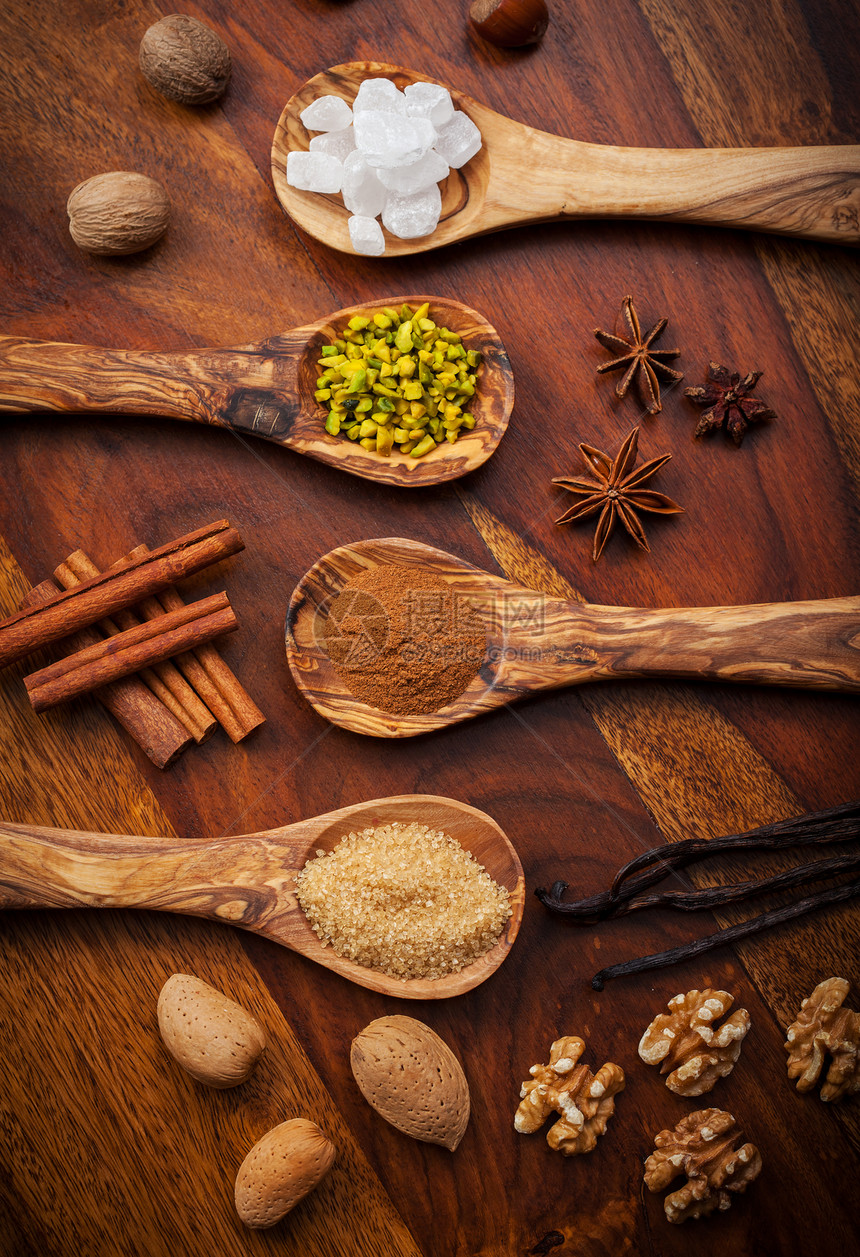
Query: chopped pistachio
x=423 y=447
x=395 y=377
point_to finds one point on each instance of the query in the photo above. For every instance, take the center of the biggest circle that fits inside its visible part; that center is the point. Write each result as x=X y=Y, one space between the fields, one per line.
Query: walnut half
x=824 y=1027
x=686 y=1041
x=704 y=1147
x=584 y=1101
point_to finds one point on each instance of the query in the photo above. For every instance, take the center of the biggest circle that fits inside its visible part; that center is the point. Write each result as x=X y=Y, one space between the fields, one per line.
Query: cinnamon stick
x=217 y=685
x=164 y=679
x=115 y=589
x=160 y=736
x=128 y=652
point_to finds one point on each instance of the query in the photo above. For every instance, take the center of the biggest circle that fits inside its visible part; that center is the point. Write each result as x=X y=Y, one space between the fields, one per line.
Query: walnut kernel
x=704 y=1146
x=823 y=1027
x=185 y=60
x=686 y=1041
x=584 y=1101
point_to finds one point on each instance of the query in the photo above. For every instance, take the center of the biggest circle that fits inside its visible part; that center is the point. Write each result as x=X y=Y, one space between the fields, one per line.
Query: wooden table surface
x=107 y=1148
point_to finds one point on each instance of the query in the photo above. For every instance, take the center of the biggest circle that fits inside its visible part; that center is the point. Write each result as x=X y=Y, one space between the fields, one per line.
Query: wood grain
x=521 y=175
x=580 y=779
x=264 y=390
x=72 y=1183
x=249 y=880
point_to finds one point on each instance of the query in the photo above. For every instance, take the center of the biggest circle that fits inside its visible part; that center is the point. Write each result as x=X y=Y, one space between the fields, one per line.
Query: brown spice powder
x=403 y=640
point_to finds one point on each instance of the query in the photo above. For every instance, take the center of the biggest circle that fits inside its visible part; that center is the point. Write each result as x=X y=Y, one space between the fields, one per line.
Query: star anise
x=616 y=492
x=728 y=397
x=643 y=363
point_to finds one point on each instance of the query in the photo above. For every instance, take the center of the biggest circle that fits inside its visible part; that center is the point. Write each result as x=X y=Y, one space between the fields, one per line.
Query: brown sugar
x=405 y=899
x=404 y=640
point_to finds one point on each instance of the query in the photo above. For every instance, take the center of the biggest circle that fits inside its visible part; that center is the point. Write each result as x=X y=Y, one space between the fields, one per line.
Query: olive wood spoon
x=535 y=642
x=522 y=175
x=263 y=390
x=248 y=881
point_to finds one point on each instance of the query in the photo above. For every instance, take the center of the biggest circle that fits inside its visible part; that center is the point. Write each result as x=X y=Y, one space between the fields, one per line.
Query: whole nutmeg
x=118 y=212
x=185 y=60
x=212 y=1037
x=509 y=23
x=279 y=1171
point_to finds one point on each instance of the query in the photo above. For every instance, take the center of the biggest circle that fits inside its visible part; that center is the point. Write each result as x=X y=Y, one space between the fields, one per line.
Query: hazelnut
x=509 y=23
x=185 y=60
x=119 y=212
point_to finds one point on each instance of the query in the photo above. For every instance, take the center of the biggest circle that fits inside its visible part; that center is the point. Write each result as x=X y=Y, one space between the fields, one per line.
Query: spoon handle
x=246 y=389
x=810 y=645
x=812 y=192
x=232 y=879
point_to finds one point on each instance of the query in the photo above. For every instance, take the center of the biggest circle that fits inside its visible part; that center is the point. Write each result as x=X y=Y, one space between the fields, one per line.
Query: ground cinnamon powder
x=404 y=640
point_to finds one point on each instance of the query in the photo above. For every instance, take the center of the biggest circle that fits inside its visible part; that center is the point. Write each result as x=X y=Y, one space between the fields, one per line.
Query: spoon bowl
x=248 y=881
x=264 y=390
x=535 y=642
x=522 y=175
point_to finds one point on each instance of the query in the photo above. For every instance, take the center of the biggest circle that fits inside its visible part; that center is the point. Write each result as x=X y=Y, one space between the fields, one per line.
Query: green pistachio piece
x=423 y=447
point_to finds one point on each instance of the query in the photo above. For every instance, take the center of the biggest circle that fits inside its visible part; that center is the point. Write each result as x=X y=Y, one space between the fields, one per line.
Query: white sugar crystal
x=381 y=95
x=429 y=100
x=387 y=139
x=327 y=113
x=363 y=194
x=409 y=217
x=355 y=170
x=387 y=155
x=458 y=140
x=407 y=180
x=366 y=236
x=337 y=143
x=314 y=172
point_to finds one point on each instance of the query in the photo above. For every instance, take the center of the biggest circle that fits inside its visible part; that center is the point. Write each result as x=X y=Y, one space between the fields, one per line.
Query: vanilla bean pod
x=832 y=824
x=715 y=896
x=660 y=960
x=836 y=824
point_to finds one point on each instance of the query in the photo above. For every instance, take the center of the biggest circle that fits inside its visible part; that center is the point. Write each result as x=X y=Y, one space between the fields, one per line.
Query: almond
x=280 y=1170
x=213 y=1039
x=410 y=1076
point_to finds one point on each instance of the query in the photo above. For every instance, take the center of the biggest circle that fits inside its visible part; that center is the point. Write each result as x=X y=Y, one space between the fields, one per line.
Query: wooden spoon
x=248 y=880
x=266 y=390
x=535 y=642
x=522 y=175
